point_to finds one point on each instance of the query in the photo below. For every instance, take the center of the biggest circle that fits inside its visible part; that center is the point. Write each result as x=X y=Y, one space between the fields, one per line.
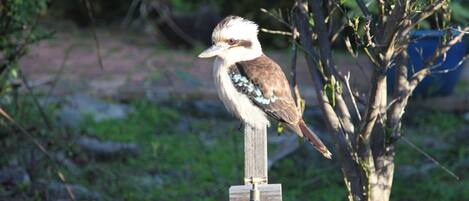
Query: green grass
x=437 y=128
x=201 y=160
x=197 y=165
x=206 y=171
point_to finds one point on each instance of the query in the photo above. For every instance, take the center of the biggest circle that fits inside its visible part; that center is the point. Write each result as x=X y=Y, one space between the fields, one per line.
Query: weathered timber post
x=256 y=187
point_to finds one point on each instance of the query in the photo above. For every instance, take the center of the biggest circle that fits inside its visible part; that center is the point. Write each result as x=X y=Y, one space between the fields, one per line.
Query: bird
x=251 y=85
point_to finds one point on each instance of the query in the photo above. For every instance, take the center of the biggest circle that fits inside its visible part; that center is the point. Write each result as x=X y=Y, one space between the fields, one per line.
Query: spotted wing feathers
x=264 y=82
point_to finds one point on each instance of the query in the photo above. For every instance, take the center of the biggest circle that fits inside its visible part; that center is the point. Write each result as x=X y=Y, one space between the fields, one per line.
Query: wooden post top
x=255 y=155
x=255 y=170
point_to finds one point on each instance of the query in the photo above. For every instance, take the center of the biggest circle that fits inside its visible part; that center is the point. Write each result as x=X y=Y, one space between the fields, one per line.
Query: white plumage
x=234 y=101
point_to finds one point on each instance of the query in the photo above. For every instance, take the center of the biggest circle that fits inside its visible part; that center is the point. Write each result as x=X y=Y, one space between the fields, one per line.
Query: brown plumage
x=268 y=77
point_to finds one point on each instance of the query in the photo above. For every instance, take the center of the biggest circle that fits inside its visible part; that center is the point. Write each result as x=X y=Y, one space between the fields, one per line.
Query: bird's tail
x=314 y=140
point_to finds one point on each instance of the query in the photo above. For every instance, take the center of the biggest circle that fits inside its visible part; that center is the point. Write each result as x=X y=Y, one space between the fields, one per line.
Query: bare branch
x=391 y=29
x=6 y=116
x=338 y=32
x=130 y=13
x=424 y=14
x=323 y=38
x=368 y=36
x=67 y=187
x=276 y=17
x=283 y=33
x=328 y=66
x=346 y=152
x=381 y=11
x=363 y=8
x=352 y=97
x=416 y=79
x=427 y=11
x=59 y=73
x=456 y=67
x=173 y=25
x=406 y=88
x=395 y=109
x=89 y=10
x=430 y=157
x=296 y=92
x=426 y=68
x=44 y=116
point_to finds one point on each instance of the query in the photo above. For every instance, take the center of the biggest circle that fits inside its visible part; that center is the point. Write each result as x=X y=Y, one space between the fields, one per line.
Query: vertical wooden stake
x=255 y=169
x=255 y=154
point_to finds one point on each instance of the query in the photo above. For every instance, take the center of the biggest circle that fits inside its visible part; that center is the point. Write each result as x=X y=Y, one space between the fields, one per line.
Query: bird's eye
x=231 y=41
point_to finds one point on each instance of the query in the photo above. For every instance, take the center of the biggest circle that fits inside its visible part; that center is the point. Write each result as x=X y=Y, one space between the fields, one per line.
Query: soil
x=137 y=65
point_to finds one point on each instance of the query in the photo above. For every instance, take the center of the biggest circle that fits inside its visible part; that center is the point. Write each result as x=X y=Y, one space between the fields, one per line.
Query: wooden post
x=255 y=154
x=255 y=170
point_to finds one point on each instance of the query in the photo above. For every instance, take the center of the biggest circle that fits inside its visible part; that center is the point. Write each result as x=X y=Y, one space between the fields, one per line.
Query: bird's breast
x=235 y=102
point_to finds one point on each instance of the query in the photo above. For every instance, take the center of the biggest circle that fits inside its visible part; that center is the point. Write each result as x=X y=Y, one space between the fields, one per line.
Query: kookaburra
x=251 y=85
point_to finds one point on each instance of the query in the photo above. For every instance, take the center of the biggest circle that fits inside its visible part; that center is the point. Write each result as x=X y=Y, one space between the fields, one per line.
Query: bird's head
x=234 y=39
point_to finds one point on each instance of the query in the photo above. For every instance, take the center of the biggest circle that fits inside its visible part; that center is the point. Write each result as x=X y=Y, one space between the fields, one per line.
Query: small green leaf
x=279 y=128
x=302 y=105
x=339 y=87
x=356 y=22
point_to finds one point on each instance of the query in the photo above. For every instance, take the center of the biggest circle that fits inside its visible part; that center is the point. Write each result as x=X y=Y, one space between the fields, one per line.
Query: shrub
x=17 y=30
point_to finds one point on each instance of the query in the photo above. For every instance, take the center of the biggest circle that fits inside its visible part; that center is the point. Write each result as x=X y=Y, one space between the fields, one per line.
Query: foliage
x=18 y=29
x=460 y=11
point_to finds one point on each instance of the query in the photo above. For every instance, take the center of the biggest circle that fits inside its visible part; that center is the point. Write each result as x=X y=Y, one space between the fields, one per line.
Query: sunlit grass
x=201 y=160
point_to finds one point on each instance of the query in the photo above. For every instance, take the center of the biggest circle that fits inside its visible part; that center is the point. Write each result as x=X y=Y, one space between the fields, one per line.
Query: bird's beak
x=213 y=51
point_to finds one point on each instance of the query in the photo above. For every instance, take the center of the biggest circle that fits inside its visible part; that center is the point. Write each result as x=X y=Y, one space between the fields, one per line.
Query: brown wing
x=264 y=82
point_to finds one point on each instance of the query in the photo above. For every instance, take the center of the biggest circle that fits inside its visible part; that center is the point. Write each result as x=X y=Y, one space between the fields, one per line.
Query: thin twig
x=414 y=146
x=294 y=82
x=394 y=101
x=276 y=17
x=443 y=49
x=6 y=116
x=421 y=74
x=174 y=27
x=278 y=32
x=41 y=147
x=95 y=33
x=428 y=11
x=45 y=118
x=456 y=67
x=338 y=32
x=347 y=84
x=67 y=187
x=130 y=13
x=363 y=8
x=60 y=72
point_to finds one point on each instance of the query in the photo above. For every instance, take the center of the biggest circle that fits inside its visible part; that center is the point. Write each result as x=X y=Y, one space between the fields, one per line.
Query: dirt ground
x=135 y=66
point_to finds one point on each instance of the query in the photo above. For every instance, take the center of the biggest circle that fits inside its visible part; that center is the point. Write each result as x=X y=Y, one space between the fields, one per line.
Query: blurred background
x=107 y=100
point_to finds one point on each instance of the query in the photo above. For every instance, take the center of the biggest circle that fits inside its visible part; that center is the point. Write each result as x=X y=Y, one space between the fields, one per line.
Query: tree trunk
x=367 y=178
x=384 y=172
x=366 y=155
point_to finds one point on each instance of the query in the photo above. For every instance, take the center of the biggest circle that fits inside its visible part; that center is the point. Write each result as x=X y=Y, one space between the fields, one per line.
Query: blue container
x=422 y=47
